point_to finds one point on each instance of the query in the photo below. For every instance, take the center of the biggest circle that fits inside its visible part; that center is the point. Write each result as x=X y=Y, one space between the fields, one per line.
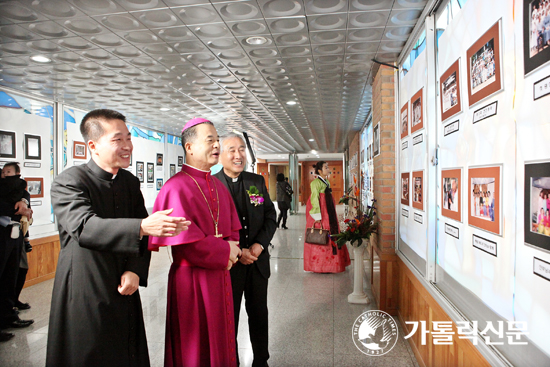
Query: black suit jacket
x=261 y=219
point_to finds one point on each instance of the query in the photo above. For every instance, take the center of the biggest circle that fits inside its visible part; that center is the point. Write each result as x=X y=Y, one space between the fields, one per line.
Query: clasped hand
x=160 y=224
x=234 y=253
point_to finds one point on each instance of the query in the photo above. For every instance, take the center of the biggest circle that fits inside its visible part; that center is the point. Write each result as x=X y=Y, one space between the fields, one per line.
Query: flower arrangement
x=347 y=196
x=255 y=197
x=358 y=228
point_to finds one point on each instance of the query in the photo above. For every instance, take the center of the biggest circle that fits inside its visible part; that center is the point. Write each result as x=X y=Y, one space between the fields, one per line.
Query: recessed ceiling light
x=256 y=40
x=40 y=58
x=311 y=139
x=291 y=103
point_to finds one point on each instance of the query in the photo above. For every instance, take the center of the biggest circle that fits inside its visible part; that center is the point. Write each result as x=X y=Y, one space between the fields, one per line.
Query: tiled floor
x=310 y=318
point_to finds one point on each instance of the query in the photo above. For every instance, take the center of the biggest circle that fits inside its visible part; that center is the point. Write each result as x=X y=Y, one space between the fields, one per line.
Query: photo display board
x=493 y=243
x=412 y=189
x=532 y=55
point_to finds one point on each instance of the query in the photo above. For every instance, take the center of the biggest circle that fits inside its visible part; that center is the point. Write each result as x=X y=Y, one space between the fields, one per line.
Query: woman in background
x=321 y=209
x=283 y=199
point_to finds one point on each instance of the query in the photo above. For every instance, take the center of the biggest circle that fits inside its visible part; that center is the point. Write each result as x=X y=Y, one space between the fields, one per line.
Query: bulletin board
x=413 y=122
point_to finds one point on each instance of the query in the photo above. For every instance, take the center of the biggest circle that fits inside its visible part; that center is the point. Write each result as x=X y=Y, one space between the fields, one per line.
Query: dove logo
x=374 y=333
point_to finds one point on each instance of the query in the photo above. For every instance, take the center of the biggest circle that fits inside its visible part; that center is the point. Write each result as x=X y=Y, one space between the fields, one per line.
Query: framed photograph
x=159 y=159
x=79 y=150
x=418 y=190
x=172 y=170
x=484 y=198
x=376 y=139
x=150 y=172
x=7 y=144
x=536 y=215
x=405 y=185
x=536 y=48
x=35 y=186
x=449 y=85
x=180 y=161
x=159 y=184
x=139 y=171
x=451 y=193
x=417 y=121
x=33 y=147
x=404 y=126
x=484 y=73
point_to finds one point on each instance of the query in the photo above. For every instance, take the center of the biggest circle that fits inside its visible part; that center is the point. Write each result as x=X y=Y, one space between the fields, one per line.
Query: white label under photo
x=405 y=212
x=541 y=268
x=418 y=218
x=541 y=88
x=451 y=128
x=418 y=139
x=404 y=145
x=452 y=231
x=485 y=112
x=36 y=203
x=485 y=245
x=32 y=164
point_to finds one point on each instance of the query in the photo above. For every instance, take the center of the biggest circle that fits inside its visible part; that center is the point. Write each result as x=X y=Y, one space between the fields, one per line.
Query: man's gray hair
x=189 y=135
x=231 y=136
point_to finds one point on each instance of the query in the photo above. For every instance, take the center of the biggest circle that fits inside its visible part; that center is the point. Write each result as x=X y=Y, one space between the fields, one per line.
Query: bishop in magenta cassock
x=200 y=328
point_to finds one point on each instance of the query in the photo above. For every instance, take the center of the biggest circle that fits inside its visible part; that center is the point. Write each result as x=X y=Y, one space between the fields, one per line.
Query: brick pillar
x=385 y=270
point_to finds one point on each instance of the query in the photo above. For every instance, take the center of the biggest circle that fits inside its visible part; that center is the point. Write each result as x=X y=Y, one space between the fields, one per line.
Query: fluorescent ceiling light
x=311 y=139
x=40 y=58
x=291 y=103
x=256 y=40
x=165 y=109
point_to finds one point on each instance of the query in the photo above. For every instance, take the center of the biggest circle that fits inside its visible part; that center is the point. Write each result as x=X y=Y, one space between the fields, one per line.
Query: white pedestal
x=358 y=296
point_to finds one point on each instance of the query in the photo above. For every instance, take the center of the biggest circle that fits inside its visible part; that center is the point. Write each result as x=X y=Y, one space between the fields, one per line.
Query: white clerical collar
x=235 y=179
x=114 y=176
x=198 y=169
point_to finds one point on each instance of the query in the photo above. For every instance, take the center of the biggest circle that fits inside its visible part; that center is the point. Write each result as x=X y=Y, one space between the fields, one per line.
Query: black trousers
x=247 y=280
x=283 y=212
x=10 y=251
x=21 y=277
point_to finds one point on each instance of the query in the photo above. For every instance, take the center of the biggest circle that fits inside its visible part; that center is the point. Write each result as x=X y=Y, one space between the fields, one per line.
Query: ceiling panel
x=238 y=63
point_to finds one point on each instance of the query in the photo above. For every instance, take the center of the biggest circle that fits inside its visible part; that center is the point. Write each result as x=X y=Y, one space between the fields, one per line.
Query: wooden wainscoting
x=416 y=304
x=42 y=259
x=384 y=280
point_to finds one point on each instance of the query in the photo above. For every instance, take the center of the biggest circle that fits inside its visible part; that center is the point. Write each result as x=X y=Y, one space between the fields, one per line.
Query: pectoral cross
x=217 y=235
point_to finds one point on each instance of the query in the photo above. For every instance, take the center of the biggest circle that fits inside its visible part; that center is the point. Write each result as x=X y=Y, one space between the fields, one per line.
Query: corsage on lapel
x=255 y=197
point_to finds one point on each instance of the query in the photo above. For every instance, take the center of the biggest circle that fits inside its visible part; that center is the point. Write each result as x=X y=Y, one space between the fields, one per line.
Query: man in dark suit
x=258 y=220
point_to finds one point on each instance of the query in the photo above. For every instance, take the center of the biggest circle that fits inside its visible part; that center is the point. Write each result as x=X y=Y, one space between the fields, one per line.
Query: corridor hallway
x=310 y=318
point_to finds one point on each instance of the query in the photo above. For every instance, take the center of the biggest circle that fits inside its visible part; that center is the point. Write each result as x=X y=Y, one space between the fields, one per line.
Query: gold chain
x=210 y=209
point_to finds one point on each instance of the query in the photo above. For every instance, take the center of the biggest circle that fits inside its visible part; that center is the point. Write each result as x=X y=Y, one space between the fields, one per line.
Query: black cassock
x=91 y=323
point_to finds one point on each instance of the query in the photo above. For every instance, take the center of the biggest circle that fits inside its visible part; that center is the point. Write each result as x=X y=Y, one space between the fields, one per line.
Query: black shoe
x=285 y=227
x=28 y=246
x=4 y=337
x=19 y=324
x=21 y=306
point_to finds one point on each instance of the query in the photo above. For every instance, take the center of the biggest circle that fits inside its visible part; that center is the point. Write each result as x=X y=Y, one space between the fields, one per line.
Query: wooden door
x=262 y=169
x=336 y=180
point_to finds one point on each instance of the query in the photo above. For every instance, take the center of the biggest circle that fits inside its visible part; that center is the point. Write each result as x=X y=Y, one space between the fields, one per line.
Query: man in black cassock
x=258 y=220
x=96 y=317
